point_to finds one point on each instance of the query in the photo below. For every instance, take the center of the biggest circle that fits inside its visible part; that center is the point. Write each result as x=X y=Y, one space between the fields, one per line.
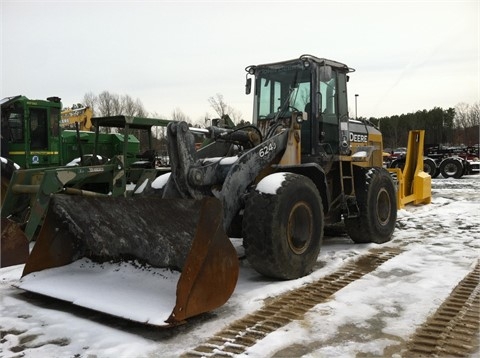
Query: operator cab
x=314 y=86
x=30 y=130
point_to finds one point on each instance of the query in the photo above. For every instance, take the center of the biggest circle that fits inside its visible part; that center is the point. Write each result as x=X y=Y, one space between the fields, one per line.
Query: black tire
x=282 y=232
x=8 y=167
x=430 y=167
x=377 y=203
x=398 y=163
x=22 y=210
x=451 y=168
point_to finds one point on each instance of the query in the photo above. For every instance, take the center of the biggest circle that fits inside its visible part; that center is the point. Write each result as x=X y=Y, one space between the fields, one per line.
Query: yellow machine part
x=82 y=116
x=414 y=185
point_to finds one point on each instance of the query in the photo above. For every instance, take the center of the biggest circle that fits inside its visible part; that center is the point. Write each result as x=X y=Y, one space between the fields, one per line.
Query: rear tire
x=398 y=163
x=377 y=203
x=451 y=168
x=430 y=167
x=282 y=232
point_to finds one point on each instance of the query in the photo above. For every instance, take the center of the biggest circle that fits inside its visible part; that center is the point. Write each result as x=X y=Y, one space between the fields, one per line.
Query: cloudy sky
x=408 y=55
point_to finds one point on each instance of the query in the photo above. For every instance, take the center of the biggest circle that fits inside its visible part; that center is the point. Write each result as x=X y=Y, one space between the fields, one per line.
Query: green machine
x=33 y=138
x=64 y=161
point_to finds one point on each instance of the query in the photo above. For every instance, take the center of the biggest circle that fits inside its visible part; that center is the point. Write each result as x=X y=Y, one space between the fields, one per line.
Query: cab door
x=43 y=137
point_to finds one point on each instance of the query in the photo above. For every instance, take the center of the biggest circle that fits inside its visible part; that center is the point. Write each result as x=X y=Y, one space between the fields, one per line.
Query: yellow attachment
x=414 y=185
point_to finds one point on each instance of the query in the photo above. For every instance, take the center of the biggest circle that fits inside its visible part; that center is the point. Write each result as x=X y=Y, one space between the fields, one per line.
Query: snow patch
x=271 y=183
x=160 y=181
x=76 y=162
x=128 y=290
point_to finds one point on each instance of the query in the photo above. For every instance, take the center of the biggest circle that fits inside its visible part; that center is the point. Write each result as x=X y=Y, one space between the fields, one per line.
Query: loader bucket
x=14 y=244
x=151 y=260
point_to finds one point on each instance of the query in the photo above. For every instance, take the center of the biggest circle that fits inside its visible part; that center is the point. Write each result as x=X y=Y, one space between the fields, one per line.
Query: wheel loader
x=166 y=256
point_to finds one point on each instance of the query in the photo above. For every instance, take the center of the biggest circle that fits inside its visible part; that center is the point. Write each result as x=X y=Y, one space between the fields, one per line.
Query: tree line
x=449 y=127
x=111 y=104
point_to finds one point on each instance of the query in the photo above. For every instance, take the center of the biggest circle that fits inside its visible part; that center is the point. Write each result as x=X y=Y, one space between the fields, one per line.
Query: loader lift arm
x=194 y=178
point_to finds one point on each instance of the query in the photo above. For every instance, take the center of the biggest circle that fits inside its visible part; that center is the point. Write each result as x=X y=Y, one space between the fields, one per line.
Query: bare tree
x=473 y=134
x=109 y=104
x=474 y=114
x=112 y=104
x=90 y=100
x=129 y=106
x=461 y=115
x=221 y=108
x=178 y=115
x=218 y=104
x=461 y=118
x=141 y=111
x=159 y=132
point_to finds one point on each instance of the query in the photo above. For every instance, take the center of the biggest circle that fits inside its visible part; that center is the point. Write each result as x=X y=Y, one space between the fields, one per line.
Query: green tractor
x=39 y=159
x=33 y=138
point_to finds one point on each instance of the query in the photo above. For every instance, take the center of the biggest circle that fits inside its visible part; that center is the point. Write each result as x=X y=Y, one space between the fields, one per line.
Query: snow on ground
x=440 y=243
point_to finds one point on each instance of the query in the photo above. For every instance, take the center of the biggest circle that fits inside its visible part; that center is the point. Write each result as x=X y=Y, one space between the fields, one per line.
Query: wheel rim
x=450 y=169
x=383 y=207
x=300 y=227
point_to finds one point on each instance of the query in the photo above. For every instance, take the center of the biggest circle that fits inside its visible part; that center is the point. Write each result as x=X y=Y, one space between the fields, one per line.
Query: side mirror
x=325 y=73
x=248 y=86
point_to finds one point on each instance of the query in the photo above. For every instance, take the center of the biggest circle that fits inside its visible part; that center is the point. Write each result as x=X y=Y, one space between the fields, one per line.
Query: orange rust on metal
x=53 y=247
x=211 y=270
x=14 y=244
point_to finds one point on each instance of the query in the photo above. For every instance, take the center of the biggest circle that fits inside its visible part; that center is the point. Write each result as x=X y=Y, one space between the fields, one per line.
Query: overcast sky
x=408 y=55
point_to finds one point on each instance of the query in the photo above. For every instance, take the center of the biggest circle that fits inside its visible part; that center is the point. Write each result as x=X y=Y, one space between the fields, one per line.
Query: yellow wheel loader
x=301 y=166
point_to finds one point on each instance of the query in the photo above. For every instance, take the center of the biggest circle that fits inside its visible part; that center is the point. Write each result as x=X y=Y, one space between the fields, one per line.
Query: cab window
x=38 y=128
x=12 y=126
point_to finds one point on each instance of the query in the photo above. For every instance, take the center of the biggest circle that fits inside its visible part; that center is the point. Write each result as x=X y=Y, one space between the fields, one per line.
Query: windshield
x=282 y=90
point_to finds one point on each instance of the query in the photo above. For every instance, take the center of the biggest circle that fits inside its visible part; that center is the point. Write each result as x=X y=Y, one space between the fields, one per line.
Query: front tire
x=377 y=204
x=283 y=232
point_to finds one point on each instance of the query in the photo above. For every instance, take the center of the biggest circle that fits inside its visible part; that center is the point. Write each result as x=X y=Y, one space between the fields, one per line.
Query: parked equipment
x=301 y=165
x=77 y=115
x=33 y=136
x=450 y=162
x=28 y=191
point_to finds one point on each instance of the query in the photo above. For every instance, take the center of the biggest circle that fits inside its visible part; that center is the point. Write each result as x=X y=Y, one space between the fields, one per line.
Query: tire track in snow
x=290 y=306
x=453 y=329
